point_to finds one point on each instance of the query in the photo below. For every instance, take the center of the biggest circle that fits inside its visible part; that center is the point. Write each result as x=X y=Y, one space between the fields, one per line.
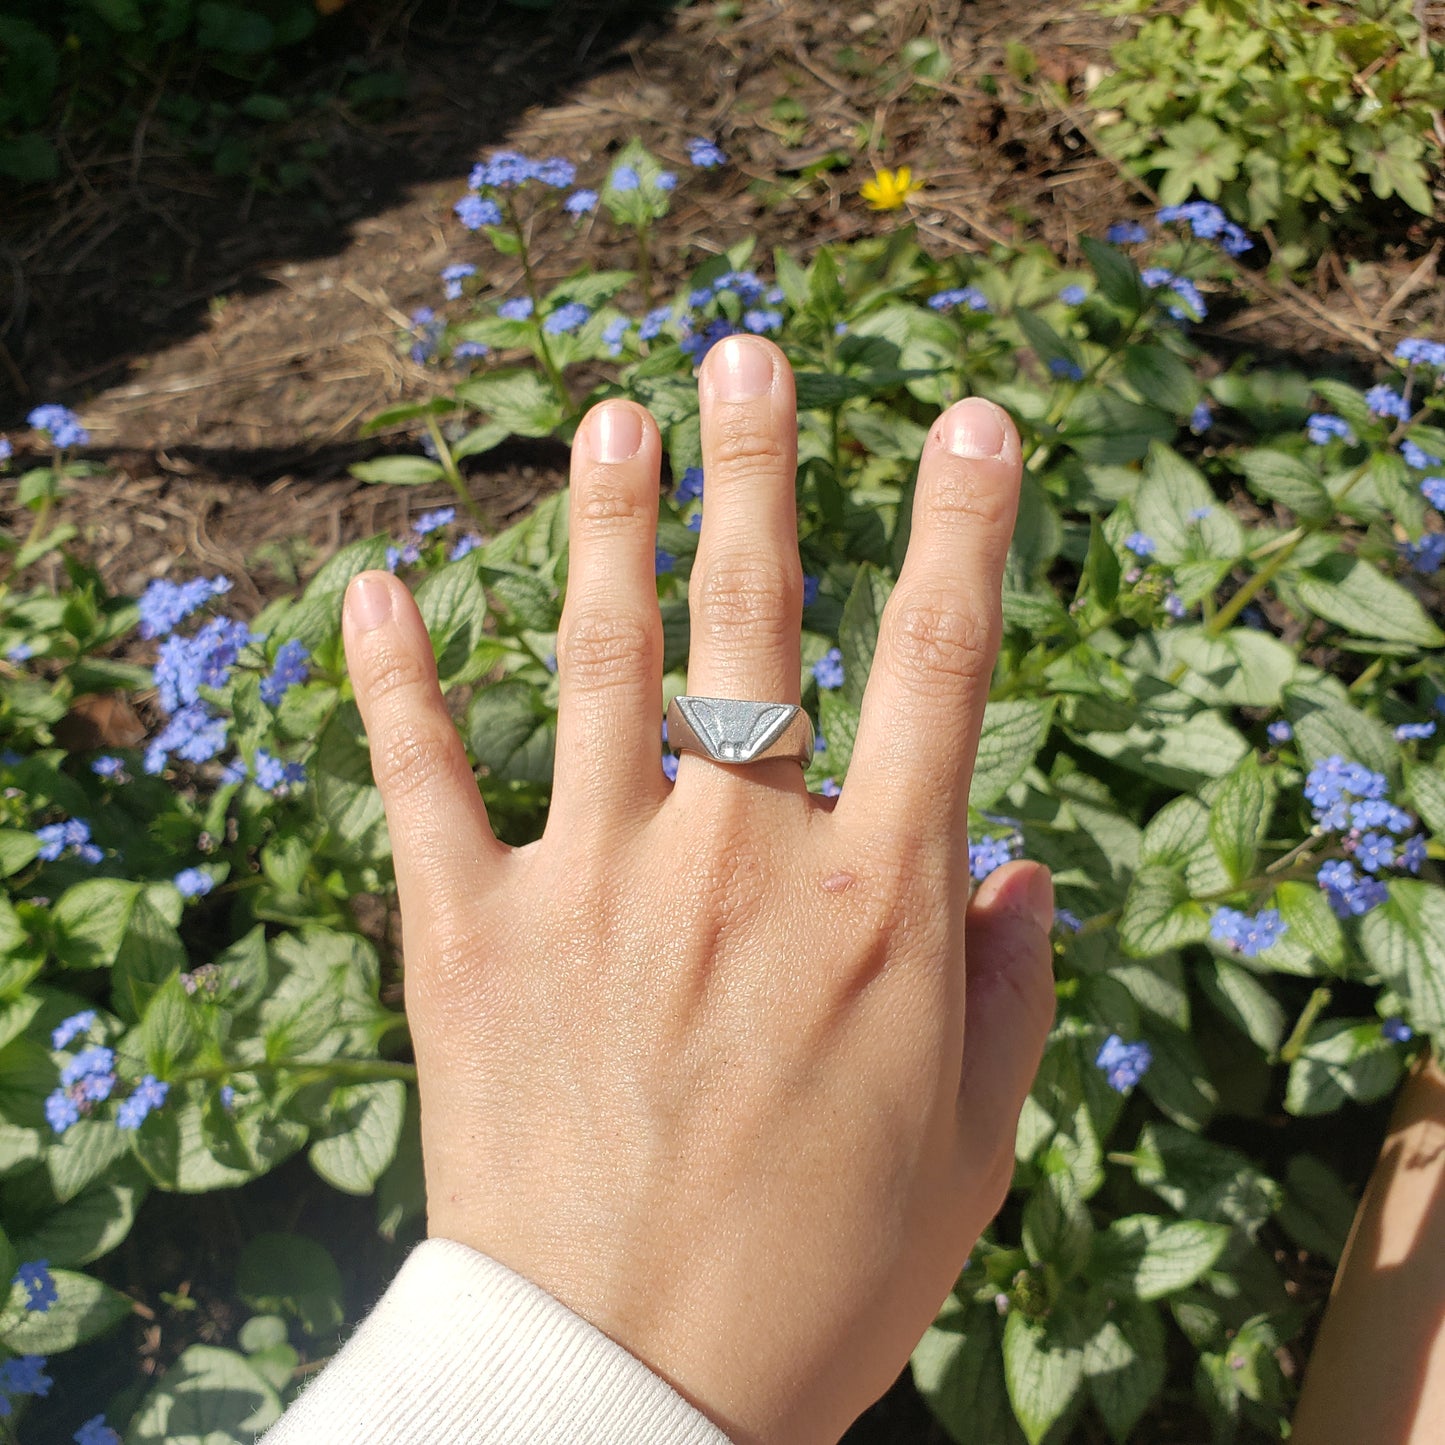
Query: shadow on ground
x=126 y=253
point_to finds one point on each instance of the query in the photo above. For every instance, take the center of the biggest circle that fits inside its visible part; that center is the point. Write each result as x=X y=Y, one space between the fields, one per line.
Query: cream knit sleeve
x=462 y=1351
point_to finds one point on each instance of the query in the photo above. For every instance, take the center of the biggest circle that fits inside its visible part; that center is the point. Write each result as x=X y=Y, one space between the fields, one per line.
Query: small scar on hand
x=838 y=882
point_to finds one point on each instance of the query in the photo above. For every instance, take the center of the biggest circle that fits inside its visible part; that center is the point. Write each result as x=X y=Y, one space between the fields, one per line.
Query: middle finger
x=746 y=593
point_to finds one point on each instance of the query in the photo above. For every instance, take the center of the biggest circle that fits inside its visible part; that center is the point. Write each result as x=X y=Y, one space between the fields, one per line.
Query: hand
x=705 y=1061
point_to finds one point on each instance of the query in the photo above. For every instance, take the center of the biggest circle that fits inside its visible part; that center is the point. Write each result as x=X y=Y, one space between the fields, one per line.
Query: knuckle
x=395 y=671
x=602 y=648
x=411 y=758
x=604 y=503
x=967 y=499
x=934 y=645
x=757 y=593
x=745 y=447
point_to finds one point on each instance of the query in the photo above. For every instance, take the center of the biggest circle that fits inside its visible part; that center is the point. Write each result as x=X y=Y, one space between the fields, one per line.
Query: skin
x=731 y=1070
x=1378 y=1368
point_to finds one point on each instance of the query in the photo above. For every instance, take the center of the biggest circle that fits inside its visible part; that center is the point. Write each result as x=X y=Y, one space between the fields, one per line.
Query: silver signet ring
x=728 y=730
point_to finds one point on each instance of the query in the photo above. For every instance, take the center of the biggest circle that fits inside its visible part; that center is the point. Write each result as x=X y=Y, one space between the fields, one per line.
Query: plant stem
x=454 y=476
x=1287 y=546
x=1294 y=1044
x=544 y=354
x=644 y=266
x=351 y=1070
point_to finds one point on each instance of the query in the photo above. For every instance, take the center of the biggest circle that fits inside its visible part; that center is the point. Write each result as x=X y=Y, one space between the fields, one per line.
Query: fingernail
x=1038 y=897
x=616 y=433
x=369 y=603
x=743 y=369
x=974 y=429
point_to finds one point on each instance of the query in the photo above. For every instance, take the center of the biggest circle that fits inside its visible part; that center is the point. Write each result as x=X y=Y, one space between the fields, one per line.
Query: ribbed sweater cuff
x=463 y=1351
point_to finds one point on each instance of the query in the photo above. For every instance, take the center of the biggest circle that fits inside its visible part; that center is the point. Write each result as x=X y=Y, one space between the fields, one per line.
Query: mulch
x=224 y=345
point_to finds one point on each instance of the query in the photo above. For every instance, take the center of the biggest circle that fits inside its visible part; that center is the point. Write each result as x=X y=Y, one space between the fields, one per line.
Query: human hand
x=731 y=1070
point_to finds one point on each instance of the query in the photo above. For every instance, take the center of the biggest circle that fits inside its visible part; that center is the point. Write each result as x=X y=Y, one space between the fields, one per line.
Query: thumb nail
x=369 y=602
x=1035 y=898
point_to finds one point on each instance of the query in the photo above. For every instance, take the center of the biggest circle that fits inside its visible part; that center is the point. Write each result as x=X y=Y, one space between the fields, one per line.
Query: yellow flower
x=890 y=190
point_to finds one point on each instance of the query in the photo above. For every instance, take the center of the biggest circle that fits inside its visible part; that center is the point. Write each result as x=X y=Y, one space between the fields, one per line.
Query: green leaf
x=1099 y=583
x=91 y=919
x=347 y=798
x=530 y=599
x=401 y=1190
x=290 y=1274
x=1239 y=817
x=316 y=618
x=1401 y=941
x=1118 y=276
x=29 y=159
x=1043 y=1372
x=1326 y=722
x=453 y=604
x=80 y=1156
x=1178 y=1081
x=1124 y=1367
x=1047 y=344
x=1102 y=426
x=208 y=1397
x=17 y=849
x=1311 y=922
x=1241 y=668
x=639 y=205
x=83 y=1308
x=1160 y=377
x=858 y=631
x=1159 y=913
x=233 y=29
x=266 y=1341
x=1427 y=792
x=399 y=471
x=1198 y=156
x=1142 y=1257
x=1245 y=1002
x=360 y=1137
x=1318 y=1211
x=1280 y=477
x=520 y=400
x=1170 y=494
x=1345 y=399
x=510 y=733
x=1357 y=596
x=1343 y=1059
x=168 y=1033
x=838 y=723
x=89 y=1226
x=1013 y=732
x=150 y=952
x=1202 y=1179
x=193 y=1146
x=1057 y=1228
x=958 y=1369
x=1178 y=832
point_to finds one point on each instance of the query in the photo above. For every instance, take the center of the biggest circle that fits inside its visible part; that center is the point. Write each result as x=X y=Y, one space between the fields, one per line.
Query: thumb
x=440 y=836
x=1008 y=1009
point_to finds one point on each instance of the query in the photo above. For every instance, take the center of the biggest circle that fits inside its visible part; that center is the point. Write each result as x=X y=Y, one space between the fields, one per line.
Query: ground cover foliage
x=1213 y=717
x=1311 y=119
x=206 y=72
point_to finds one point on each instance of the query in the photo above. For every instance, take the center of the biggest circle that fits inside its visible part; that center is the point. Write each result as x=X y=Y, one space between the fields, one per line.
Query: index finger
x=939 y=635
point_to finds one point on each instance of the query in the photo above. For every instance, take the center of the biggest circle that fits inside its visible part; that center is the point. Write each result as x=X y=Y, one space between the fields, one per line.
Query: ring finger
x=746 y=593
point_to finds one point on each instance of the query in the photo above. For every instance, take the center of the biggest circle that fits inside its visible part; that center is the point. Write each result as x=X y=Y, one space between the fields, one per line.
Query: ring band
x=729 y=730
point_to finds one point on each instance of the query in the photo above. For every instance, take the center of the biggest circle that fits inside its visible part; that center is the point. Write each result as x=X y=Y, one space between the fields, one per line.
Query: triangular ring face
x=735 y=732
